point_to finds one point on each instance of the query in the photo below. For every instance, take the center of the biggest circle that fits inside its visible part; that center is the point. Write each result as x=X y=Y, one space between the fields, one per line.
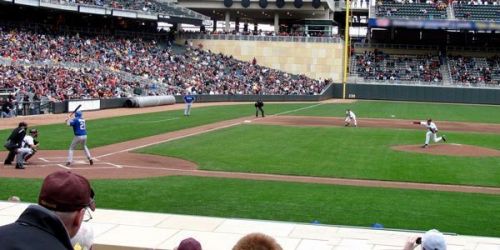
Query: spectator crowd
x=61 y=67
x=380 y=66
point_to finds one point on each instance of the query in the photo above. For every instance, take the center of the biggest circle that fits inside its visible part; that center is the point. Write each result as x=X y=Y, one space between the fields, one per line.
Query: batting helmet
x=78 y=114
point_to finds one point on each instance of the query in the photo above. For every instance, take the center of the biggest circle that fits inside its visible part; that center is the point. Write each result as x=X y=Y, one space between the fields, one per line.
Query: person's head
x=189 y=244
x=433 y=240
x=78 y=114
x=257 y=241
x=429 y=121
x=22 y=124
x=34 y=132
x=68 y=195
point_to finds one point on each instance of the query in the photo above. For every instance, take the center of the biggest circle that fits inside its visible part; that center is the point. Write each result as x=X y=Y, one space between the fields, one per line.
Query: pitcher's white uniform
x=431 y=132
x=350 y=117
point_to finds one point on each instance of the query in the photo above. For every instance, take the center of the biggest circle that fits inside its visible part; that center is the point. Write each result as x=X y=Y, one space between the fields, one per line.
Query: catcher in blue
x=432 y=131
x=80 y=131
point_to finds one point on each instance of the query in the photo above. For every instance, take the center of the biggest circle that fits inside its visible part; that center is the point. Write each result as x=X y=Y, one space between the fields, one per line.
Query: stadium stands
x=148 y=6
x=411 y=10
x=91 y=67
x=474 y=70
x=379 y=66
x=477 y=12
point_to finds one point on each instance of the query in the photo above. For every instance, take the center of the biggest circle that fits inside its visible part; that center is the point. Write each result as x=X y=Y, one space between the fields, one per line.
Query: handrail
x=261 y=38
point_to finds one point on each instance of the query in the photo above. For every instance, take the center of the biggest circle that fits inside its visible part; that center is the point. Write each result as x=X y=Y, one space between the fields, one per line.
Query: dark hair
x=23 y=124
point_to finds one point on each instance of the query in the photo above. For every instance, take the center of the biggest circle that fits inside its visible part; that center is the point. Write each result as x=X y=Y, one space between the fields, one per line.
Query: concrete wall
x=419 y=93
x=316 y=60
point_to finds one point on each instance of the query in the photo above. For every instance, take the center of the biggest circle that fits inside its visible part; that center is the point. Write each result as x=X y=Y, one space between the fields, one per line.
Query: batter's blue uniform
x=188 y=99
x=80 y=131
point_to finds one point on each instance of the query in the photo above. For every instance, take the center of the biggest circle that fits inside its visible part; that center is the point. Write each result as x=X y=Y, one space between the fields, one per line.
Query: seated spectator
x=64 y=200
x=189 y=244
x=431 y=240
x=257 y=241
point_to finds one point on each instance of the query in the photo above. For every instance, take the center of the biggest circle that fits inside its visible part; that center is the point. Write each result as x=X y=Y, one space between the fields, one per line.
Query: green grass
x=335 y=152
x=410 y=110
x=124 y=128
x=472 y=214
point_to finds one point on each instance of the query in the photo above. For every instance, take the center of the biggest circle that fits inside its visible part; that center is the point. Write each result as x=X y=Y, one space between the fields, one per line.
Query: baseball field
x=299 y=163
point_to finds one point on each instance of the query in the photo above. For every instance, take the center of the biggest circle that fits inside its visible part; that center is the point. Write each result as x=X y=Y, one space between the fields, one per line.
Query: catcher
x=432 y=131
x=28 y=148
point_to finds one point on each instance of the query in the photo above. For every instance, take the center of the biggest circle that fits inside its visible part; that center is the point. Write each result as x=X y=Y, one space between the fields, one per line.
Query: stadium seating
x=466 y=70
x=477 y=12
x=411 y=10
x=379 y=66
x=89 y=65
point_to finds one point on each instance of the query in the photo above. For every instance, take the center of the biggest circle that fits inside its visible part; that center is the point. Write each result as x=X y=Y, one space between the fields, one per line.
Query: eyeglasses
x=88 y=215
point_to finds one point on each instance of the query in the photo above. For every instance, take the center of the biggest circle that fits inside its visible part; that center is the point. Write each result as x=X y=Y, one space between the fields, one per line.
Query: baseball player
x=258 y=107
x=432 y=131
x=350 y=118
x=80 y=131
x=14 y=142
x=28 y=148
x=188 y=100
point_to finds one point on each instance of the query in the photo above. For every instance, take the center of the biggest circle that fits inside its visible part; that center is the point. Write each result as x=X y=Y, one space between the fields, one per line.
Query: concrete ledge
x=118 y=229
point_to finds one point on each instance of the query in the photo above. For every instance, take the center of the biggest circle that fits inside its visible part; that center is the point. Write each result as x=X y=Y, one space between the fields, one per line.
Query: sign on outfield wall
x=86 y=105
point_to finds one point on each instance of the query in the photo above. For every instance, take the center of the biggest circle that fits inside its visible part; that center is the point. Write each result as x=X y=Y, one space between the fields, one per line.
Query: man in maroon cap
x=63 y=202
x=189 y=244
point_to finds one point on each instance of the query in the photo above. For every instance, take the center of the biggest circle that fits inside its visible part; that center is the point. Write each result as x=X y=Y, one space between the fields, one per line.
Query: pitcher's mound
x=451 y=149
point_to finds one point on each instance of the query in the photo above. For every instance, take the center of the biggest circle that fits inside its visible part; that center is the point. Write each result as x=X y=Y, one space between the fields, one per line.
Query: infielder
x=188 y=99
x=80 y=131
x=28 y=148
x=432 y=131
x=350 y=117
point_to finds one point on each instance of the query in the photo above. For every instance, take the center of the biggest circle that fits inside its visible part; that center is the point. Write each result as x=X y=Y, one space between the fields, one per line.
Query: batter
x=80 y=131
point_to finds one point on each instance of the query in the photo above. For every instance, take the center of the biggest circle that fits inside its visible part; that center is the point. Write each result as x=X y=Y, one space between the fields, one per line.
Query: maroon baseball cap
x=66 y=191
x=189 y=244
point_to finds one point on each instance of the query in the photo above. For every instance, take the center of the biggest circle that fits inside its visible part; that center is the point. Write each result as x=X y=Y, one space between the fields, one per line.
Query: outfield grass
x=124 y=128
x=410 y=110
x=472 y=214
x=335 y=152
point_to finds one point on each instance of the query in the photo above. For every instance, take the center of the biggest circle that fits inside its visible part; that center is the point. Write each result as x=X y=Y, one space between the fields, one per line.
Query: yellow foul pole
x=347 y=47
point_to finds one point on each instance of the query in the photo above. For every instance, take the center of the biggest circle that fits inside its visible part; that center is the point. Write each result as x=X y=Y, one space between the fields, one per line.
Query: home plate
x=247 y=121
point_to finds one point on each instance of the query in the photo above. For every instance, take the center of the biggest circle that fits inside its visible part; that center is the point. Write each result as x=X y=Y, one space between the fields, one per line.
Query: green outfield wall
x=419 y=93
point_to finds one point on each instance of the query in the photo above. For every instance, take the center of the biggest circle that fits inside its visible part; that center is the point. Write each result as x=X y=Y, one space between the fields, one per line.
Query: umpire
x=15 y=141
x=258 y=106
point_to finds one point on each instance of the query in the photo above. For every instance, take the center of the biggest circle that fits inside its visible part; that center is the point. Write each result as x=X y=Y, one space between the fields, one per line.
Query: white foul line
x=162 y=120
x=114 y=165
x=197 y=133
x=62 y=166
x=43 y=159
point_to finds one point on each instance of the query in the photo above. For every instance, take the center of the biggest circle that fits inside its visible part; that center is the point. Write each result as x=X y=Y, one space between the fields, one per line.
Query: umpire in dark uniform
x=15 y=141
x=258 y=106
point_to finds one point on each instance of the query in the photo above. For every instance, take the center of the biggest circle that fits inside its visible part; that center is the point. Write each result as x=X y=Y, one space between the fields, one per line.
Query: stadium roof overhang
x=254 y=13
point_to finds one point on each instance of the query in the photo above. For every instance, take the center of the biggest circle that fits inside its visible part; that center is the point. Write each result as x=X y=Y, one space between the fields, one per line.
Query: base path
x=118 y=161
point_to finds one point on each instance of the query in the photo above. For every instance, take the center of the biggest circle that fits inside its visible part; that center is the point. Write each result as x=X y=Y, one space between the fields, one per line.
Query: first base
x=247 y=121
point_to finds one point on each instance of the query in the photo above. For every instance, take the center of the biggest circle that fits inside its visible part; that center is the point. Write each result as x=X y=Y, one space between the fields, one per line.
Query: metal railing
x=394 y=46
x=302 y=39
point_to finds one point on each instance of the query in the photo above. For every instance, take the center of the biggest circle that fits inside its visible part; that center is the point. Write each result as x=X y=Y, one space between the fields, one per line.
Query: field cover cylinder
x=149 y=101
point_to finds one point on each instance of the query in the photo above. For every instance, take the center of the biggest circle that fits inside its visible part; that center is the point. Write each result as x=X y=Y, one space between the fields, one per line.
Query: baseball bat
x=76 y=109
